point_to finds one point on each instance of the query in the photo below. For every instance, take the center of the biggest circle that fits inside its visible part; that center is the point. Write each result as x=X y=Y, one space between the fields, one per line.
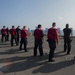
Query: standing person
x=3 y=32
x=13 y=35
x=24 y=35
x=52 y=36
x=67 y=39
x=38 y=36
x=7 y=34
x=18 y=32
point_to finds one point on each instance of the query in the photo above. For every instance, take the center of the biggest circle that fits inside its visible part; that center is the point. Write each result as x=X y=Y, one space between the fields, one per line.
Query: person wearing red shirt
x=24 y=35
x=3 y=32
x=13 y=35
x=38 y=36
x=52 y=40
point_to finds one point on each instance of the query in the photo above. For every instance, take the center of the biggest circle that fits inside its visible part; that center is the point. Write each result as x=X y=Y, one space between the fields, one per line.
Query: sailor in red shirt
x=52 y=40
x=38 y=35
x=3 y=32
x=13 y=35
x=24 y=35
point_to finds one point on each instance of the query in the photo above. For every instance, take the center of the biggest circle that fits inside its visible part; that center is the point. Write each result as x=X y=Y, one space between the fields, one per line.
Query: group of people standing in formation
x=52 y=38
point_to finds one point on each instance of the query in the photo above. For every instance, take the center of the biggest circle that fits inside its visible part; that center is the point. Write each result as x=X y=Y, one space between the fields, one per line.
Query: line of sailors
x=52 y=37
x=14 y=34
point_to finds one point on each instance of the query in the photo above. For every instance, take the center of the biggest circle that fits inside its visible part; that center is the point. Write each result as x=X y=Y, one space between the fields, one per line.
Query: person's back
x=67 y=32
x=13 y=35
x=7 y=33
x=67 y=39
x=13 y=31
x=7 y=30
x=38 y=34
x=52 y=34
x=3 y=30
x=24 y=33
x=18 y=33
x=18 y=30
x=53 y=38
